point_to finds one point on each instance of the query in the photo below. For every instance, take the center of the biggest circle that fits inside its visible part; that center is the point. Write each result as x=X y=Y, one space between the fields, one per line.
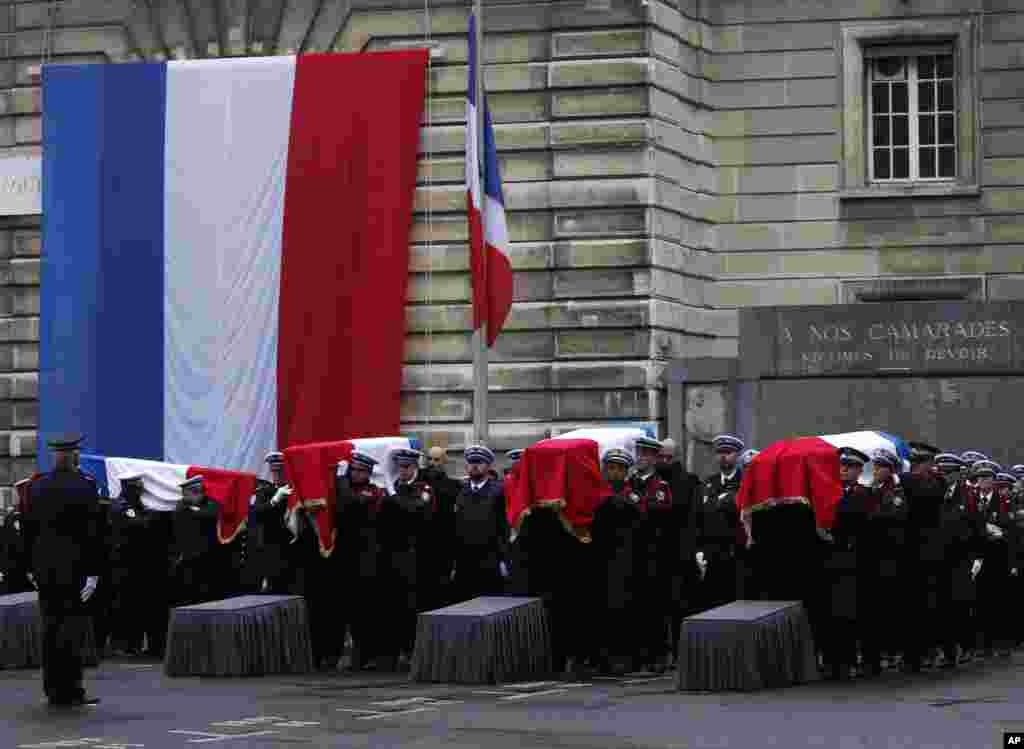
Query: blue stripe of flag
x=102 y=297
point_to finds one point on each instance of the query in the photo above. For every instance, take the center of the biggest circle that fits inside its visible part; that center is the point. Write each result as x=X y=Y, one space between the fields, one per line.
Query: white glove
x=32 y=580
x=284 y=491
x=89 y=588
x=342 y=467
x=452 y=576
x=975 y=568
x=994 y=530
x=503 y=568
x=252 y=501
x=265 y=585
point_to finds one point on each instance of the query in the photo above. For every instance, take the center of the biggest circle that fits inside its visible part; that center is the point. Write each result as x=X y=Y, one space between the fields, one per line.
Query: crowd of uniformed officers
x=914 y=571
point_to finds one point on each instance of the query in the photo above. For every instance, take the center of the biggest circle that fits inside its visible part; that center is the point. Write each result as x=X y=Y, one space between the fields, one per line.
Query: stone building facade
x=666 y=165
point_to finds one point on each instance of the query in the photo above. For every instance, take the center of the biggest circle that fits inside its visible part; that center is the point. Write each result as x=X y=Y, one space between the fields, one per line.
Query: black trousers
x=65 y=621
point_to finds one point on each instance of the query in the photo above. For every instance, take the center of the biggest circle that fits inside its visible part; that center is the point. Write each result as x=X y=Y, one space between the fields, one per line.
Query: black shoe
x=85 y=701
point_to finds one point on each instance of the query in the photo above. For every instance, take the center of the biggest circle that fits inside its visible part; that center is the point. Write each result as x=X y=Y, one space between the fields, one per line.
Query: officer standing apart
x=61 y=541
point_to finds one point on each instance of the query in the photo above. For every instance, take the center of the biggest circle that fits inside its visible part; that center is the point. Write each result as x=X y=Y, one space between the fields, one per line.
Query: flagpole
x=481 y=369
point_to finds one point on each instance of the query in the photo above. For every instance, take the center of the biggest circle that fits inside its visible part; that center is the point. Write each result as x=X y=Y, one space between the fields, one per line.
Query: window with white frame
x=912 y=114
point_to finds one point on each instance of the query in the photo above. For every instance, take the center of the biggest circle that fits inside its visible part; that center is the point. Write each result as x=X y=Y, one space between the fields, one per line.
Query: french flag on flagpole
x=488 y=243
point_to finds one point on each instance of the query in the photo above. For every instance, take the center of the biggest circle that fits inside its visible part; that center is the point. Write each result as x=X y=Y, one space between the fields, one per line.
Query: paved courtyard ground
x=967 y=709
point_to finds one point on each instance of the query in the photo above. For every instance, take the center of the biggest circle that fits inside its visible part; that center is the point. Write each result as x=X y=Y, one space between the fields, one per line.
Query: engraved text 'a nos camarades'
x=839 y=346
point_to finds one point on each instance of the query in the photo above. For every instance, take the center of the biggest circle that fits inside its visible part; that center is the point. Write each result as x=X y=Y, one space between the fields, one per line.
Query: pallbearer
x=619 y=540
x=927 y=574
x=677 y=545
x=14 y=565
x=880 y=563
x=404 y=525
x=271 y=557
x=512 y=456
x=135 y=566
x=357 y=550
x=956 y=606
x=196 y=546
x=841 y=569
x=653 y=496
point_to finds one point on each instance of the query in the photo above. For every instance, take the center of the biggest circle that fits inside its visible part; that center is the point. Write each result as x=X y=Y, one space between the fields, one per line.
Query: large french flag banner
x=162 y=487
x=490 y=267
x=226 y=252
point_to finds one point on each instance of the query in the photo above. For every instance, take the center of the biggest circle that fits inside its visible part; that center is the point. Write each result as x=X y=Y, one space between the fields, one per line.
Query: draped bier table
x=486 y=640
x=241 y=636
x=21 y=633
x=746 y=645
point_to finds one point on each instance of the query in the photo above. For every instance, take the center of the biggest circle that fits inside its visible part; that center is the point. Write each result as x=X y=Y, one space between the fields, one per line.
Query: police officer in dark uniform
x=269 y=553
x=619 y=541
x=196 y=545
x=994 y=528
x=678 y=547
x=513 y=457
x=721 y=537
x=926 y=570
x=437 y=549
x=357 y=553
x=880 y=562
x=660 y=553
x=481 y=530
x=131 y=559
x=61 y=537
x=959 y=635
x=841 y=570
x=14 y=565
x=404 y=522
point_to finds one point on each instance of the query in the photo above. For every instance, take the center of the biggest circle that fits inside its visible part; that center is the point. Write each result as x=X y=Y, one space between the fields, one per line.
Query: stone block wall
x=787 y=235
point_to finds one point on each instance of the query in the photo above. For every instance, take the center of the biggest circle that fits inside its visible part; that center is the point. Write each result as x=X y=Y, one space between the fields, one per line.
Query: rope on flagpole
x=430 y=209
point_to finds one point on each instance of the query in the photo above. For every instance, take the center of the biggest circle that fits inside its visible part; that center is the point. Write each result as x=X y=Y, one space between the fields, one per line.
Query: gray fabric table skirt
x=21 y=633
x=746 y=645
x=242 y=636
x=483 y=641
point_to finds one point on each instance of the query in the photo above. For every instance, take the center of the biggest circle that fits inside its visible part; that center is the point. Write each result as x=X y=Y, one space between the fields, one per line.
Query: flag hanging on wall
x=226 y=252
x=488 y=244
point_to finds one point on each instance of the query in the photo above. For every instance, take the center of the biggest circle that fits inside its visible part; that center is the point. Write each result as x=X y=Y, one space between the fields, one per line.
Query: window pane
x=926 y=162
x=926 y=97
x=880 y=130
x=899 y=97
x=946 y=96
x=880 y=98
x=889 y=67
x=947 y=162
x=926 y=67
x=901 y=163
x=945 y=66
x=947 y=124
x=926 y=129
x=881 y=163
x=900 y=130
